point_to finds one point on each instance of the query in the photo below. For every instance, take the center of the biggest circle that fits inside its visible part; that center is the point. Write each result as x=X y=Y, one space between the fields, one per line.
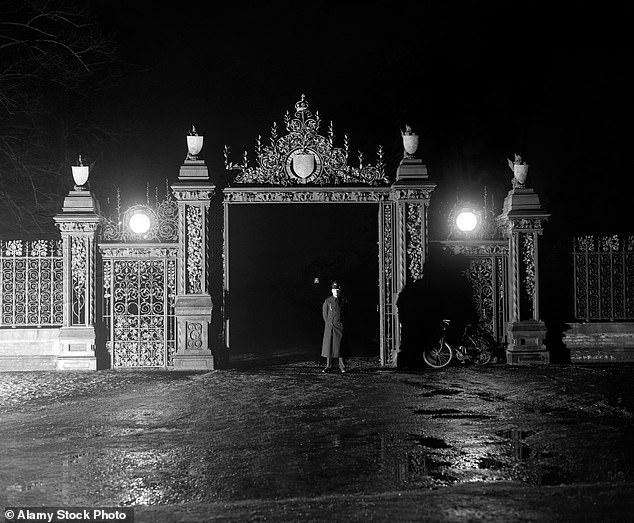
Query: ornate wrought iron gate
x=488 y=276
x=487 y=273
x=139 y=291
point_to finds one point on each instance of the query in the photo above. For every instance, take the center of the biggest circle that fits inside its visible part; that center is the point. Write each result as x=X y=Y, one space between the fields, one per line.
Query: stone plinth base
x=29 y=349
x=76 y=363
x=28 y=362
x=526 y=345
x=80 y=202
x=193 y=316
x=193 y=362
x=77 y=349
x=522 y=201
x=600 y=342
x=194 y=170
x=411 y=170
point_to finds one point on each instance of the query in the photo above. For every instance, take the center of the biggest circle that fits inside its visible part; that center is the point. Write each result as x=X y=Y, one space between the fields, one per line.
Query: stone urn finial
x=410 y=142
x=80 y=174
x=194 y=144
x=520 y=171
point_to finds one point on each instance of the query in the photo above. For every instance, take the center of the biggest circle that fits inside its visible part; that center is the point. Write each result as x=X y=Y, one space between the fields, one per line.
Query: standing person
x=334 y=312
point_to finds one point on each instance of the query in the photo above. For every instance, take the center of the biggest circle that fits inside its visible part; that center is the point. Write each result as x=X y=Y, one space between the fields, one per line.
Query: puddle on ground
x=317 y=463
x=441 y=392
x=436 y=412
x=534 y=467
x=490 y=396
x=520 y=449
x=450 y=414
x=490 y=463
x=422 y=471
x=429 y=442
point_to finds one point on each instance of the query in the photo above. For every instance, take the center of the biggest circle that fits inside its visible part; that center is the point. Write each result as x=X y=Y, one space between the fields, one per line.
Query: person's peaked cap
x=335 y=285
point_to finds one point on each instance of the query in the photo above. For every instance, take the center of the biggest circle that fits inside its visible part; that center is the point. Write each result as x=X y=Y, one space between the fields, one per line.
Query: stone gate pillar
x=410 y=194
x=78 y=224
x=193 y=306
x=522 y=219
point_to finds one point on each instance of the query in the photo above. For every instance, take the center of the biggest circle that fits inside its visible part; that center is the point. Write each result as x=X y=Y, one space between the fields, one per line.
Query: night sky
x=478 y=81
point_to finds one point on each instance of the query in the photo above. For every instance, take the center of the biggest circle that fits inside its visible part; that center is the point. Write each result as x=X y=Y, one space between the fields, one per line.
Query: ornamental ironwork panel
x=487 y=273
x=386 y=267
x=303 y=156
x=31 y=283
x=162 y=218
x=603 y=277
x=79 y=246
x=139 y=294
x=194 y=247
x=248 y=195
x=525 y=278
x=488 y=278
x=488 y=282
x=415 y=240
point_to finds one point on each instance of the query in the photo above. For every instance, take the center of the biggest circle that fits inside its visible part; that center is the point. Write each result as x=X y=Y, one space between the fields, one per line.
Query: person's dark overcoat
x=334 y=312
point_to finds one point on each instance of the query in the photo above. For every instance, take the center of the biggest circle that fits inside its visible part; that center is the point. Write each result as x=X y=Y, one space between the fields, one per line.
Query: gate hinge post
x=193 y=306
x=78 y=224
x=523 y=219
x=411 y=195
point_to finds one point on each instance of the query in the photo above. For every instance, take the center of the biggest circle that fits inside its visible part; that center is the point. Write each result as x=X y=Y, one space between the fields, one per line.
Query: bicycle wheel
x=484 y=356
x=438 y=355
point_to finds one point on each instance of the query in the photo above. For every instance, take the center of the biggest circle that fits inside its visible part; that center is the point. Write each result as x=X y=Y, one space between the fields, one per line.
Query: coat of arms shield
x=303 y=164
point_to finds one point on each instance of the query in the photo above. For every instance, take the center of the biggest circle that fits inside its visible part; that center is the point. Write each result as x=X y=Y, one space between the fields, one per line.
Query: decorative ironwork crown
x=303 y=156
x=162 y=216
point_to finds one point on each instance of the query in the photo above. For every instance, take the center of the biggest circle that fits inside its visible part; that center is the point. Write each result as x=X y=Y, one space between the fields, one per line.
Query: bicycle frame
x=471 y=348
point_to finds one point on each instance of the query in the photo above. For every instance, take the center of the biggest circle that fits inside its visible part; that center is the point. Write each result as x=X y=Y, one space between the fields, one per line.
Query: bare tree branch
x=54 y=67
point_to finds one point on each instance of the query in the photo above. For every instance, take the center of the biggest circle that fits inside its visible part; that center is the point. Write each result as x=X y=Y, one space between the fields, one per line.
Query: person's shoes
x=343 y=371
x=327 y=369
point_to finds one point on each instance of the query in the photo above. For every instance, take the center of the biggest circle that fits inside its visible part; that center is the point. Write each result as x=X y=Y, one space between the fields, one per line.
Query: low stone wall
x=609 y=342
x=29 y=349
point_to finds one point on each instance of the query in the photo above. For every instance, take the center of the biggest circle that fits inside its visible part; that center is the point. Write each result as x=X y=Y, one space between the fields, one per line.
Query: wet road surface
x=287 y=442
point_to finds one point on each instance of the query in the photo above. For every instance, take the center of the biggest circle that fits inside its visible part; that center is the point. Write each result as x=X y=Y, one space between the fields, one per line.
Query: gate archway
x=304 y=166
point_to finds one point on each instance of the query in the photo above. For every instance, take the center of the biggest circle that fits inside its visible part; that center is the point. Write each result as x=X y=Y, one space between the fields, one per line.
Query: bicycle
x=473 y=347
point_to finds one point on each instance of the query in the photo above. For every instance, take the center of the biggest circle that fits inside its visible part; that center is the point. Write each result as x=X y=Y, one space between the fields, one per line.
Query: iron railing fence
x=603 y=278
x=31 y=283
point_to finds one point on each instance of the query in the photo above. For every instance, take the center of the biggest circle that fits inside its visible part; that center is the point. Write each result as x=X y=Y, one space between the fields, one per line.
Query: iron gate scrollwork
x=603 y=278
x=386 y=285
x=31 y=283
x=487 y=273
x=138 y=300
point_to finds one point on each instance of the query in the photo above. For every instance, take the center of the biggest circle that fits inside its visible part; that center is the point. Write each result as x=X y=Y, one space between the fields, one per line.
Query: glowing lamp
x=139 y=223
x=466 y=221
